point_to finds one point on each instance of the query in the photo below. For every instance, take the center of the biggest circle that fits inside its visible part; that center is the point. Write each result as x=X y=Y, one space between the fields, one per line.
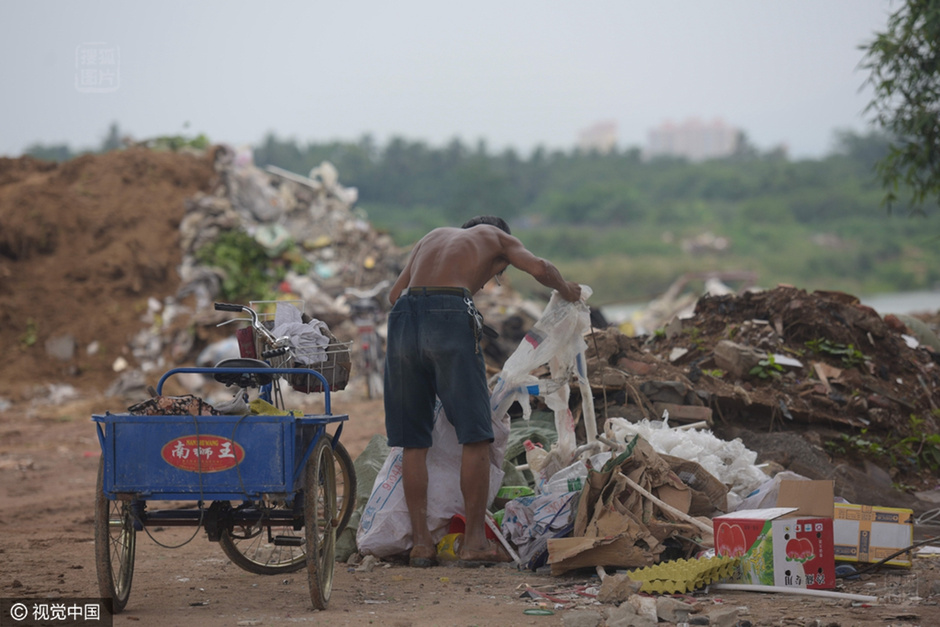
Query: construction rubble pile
x=287 y=214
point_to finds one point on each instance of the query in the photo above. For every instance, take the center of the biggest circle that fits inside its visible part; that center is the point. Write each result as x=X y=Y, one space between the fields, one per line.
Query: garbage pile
x=781 y=361
x=280 y=209
x=632 y=472
x=301 y=222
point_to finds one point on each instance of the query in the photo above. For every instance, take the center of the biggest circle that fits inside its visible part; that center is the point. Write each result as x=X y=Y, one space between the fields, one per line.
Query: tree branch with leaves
x=904 y=62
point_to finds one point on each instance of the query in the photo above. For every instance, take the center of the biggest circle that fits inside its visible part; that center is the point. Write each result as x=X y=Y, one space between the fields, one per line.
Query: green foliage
x=904 y=62
x=849 y=354
x=178 y=142
x=870 y=446
x=57 y=152
x=922 y=445
x=247 y=271
x=31 y=334
x=767 y=368
x=919 y=450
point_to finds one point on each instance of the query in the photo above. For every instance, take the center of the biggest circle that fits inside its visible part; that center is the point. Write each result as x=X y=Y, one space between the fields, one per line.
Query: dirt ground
x=48 y=462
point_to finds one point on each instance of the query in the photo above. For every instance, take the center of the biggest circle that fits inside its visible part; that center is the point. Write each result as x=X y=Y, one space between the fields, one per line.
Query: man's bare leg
x=415 y=482
x=475 y=485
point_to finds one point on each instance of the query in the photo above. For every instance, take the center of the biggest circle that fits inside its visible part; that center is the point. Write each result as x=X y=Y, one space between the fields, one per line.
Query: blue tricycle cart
x=263 y=486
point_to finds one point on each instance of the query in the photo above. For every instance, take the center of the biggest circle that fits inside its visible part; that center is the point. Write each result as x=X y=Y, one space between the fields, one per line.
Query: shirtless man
x=434 y=352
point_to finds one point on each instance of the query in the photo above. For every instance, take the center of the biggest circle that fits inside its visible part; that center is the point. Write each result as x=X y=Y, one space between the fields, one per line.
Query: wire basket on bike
x=258 y=340
x=335 y=369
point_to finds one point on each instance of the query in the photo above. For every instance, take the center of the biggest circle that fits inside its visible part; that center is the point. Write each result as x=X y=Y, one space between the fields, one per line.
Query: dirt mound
x=83 y=245
x=818 y=365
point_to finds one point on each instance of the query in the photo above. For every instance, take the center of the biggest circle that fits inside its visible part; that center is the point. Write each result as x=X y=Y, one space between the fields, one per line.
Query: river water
x=896 y=303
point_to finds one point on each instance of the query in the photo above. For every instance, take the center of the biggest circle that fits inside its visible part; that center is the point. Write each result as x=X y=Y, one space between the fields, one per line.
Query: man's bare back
x=453 y=257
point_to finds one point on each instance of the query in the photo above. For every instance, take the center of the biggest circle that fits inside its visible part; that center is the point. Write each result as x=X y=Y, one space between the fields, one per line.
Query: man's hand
x=572 y=291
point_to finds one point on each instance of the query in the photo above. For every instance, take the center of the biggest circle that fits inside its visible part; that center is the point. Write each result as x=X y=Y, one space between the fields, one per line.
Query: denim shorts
x=433 y=352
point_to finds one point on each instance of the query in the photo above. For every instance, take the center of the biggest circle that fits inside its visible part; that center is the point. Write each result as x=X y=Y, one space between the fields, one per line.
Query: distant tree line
x=610 y=190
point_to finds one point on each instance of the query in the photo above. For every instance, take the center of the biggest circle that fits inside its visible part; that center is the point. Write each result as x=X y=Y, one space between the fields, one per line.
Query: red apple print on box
x=793 y=549
x=807 y=549
x=730 y=540
x=738 y=543
x=800 y=550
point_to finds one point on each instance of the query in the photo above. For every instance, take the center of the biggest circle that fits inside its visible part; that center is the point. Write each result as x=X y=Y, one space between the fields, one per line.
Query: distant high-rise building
x=601 y=137
x=692 y=139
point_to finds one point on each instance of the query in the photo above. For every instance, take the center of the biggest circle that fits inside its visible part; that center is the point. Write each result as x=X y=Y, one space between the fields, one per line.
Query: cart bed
x=206 y=457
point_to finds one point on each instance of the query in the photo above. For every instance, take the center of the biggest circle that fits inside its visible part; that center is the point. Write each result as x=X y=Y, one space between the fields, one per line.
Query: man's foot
x=423 y=557
x=492 y=555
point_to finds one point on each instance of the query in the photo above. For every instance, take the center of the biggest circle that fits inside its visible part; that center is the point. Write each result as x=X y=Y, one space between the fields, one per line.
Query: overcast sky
x=515 y=73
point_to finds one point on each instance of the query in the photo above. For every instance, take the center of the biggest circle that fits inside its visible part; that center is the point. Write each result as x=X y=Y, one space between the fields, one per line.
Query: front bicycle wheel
x=115 y=546
x=320 y=522
x=262 y=546
x=345 y=485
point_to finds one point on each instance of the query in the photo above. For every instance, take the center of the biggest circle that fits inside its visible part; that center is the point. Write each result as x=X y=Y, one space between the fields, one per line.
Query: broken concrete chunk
x=618 y=588
x=788 y=362
x=633 y=366
x=673 y=328
x=677 y=353
x=736 y=359
x=685 y=413
x=672 y=610
x=625 y=615
x=664 y=391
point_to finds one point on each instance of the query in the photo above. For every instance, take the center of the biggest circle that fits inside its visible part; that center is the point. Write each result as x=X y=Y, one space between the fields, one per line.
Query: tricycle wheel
x=345 y=486
x=115 y=544
x=265 y=550
x=320 y=521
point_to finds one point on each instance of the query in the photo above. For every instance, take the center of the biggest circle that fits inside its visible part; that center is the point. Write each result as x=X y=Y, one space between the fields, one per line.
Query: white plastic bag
x=766 y=495
x=309 y=340
x=529 y=517
x=730 y=462
x=385 y=527
x=556 y=339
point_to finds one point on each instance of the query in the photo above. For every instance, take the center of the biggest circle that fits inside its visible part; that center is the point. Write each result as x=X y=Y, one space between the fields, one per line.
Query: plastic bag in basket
x=309 y=340
x=335 y=369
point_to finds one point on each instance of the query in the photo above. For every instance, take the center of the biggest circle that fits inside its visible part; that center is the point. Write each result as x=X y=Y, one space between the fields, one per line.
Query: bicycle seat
x=243 y=379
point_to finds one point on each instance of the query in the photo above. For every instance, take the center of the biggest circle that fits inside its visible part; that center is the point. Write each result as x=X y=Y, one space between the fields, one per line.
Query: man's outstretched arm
x=541 y=270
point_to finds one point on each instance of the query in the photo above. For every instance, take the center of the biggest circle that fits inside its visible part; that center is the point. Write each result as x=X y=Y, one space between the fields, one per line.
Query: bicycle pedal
x=288 y=541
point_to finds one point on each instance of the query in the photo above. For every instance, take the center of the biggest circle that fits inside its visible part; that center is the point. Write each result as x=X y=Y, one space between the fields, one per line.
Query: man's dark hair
x=491 y=220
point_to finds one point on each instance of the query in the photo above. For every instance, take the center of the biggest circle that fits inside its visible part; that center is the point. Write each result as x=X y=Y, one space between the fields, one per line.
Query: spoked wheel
x=268 y=549
x=373 y=368
x=115 y=544
x=320 y=522
x=345 y=486
x=265 y=548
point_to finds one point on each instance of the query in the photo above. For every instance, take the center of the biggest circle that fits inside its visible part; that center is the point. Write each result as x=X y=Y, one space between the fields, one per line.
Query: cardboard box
x=788 y=546
x=866 y=533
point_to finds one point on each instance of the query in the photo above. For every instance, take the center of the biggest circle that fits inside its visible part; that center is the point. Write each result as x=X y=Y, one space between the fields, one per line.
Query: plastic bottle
x=535 y=456
x=570 y=479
